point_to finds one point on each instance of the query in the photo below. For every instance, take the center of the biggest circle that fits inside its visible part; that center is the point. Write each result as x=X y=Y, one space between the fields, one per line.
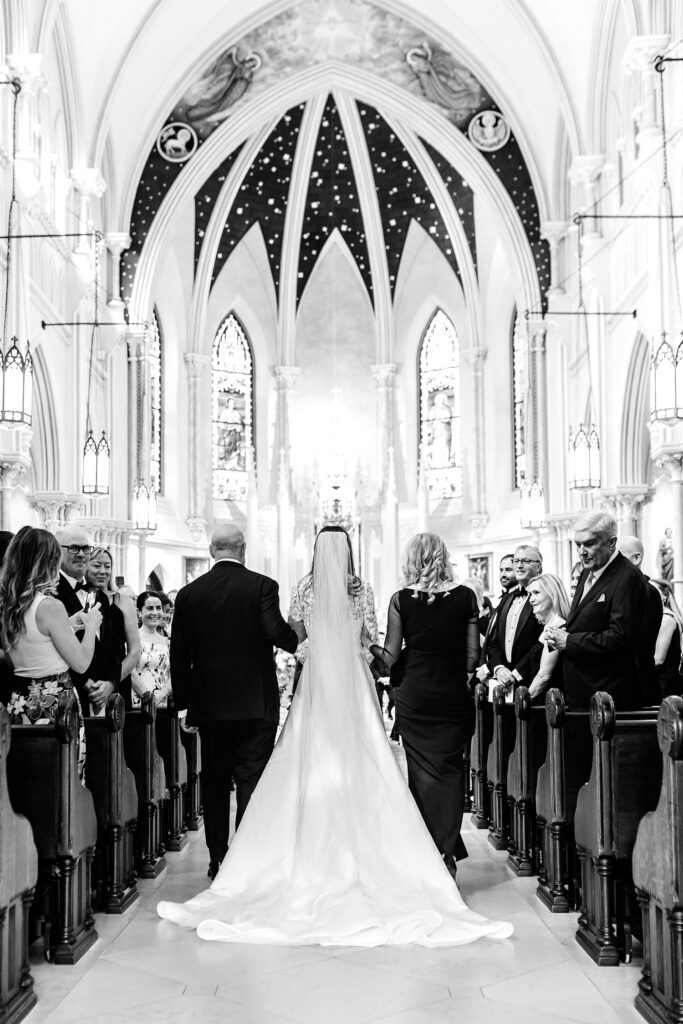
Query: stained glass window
x=440 y=407
x=232 y=407
x=156 y=404
x=520 y=376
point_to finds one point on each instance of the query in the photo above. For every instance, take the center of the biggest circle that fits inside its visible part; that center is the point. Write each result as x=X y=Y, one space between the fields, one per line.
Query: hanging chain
x=16 y=89
x=666 y=188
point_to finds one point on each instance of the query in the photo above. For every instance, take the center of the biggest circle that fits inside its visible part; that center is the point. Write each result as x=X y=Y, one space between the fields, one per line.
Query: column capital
x=28 y=68
x=88 y=181
x=586 y=169
x=117 y=241
x=553 y=231
x=197 y=527
x=384 y=373
x=476 y=357
x=478 y=523
x=641 y=52
x=196 y=359
x=286 y=376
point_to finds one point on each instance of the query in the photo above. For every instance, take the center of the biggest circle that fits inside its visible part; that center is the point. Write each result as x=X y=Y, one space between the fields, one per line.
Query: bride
x=332 y=848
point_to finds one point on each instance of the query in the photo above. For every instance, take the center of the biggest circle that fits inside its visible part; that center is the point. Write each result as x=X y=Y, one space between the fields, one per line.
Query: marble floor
x=147 y=971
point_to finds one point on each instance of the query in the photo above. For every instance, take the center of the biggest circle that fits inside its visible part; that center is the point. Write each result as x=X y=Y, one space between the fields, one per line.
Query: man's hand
x=76 y=622
x=504 y=675
x=557 y=638
x=182 y=720
x=482 y=673
x=98 y=692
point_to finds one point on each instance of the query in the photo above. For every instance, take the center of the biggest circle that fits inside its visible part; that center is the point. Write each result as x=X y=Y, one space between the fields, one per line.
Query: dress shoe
x=449 y=861
x=214 y=865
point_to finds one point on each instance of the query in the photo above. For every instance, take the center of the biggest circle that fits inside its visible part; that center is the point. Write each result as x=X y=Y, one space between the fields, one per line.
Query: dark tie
x=521 y=592
x=80 y=586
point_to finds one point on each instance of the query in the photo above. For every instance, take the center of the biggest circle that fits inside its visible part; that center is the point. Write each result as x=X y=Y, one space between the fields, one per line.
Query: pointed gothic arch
x=440 y=408
x=232 y=410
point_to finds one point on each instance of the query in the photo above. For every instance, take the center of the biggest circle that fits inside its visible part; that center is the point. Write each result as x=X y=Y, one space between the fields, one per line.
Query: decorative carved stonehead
x=602 y=715
x=148 y=708
x=670 y=727
x=481 y=694
x=499 y=699
x=554 y=708
x=116 y=712
x=67 y=720
x=522 y=703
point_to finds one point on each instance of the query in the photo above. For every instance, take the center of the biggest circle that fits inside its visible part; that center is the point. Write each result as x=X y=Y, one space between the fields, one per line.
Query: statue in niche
x=665 y=556
x=444 y=81
x=223 y=85
x=440 y=432
x=231 y=435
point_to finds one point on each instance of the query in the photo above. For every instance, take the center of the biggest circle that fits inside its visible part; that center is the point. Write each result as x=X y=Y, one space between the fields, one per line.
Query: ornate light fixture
x=532 y=505
x=144 y=507
x=584 y=458
x=16 y=367
x=666 y=380
x=96 y=459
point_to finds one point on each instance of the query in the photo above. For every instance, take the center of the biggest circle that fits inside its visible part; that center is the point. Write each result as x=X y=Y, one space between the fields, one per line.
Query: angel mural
x=445 y=82
x=225 y=82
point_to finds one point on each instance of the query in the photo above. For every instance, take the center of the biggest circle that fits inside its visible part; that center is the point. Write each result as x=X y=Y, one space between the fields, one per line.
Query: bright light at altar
x=532 y=505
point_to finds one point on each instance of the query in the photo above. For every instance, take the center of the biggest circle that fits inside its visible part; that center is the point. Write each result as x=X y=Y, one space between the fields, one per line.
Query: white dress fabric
x=332 y=849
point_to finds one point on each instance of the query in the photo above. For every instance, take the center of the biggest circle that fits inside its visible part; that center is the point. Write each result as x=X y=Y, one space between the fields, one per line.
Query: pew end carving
x=500 y=749
x=143 y=759
x=523 y=767
x=172 y=751
x=481 y=740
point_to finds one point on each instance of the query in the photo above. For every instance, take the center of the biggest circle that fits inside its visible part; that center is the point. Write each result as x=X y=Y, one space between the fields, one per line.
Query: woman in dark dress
x=668 y=648
x=119 y=646
x=437 y=621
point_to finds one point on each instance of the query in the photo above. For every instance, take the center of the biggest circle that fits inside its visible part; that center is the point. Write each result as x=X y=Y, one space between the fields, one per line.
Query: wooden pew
x=523 y=767
x=18 y=874
x=42 y=776
x=498 y=756
x=658 y=876
x=172 y=752
x=624 y=784
x=112 y=785
x=193 y=793
x=566 y=767
x=481 y=740
x=142 y=757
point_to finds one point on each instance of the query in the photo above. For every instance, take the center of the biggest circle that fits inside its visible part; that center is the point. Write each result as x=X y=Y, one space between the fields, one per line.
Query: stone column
x=626 y=505
x=553 y=231
x=561 y=531
x=639 y=60
x=538 y=414
x=28 y=69
x=196 y=394
x=285 y=380
x=90 y=185
x=116 y=242
x=390 y=533
x=585 y=172
x=476 y=359
x=385 y=377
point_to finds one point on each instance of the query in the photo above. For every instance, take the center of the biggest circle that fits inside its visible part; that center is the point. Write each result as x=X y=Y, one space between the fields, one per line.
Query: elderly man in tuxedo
x=601 y=641
x=632 y=548
x=515 y=629
x=72 y=590
x=225 y=626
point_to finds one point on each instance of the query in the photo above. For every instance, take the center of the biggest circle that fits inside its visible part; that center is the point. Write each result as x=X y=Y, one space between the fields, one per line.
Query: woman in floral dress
x=154 y=667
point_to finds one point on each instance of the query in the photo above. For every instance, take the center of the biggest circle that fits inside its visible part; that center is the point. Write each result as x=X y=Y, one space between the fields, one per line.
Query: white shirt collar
x=599 y=572
x=71 y=579
x=228 y=560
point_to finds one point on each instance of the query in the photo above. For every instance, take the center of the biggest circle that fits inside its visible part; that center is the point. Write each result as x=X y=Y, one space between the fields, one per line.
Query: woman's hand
x=91 y=620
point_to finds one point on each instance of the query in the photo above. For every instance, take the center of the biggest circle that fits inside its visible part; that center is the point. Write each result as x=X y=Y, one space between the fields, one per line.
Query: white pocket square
x=601 y=598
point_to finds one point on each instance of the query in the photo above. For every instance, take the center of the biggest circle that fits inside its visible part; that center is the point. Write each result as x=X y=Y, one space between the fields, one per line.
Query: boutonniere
x=601 y=599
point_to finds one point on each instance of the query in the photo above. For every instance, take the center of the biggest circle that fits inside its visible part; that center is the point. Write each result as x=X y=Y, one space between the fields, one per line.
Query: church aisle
x=146 y=971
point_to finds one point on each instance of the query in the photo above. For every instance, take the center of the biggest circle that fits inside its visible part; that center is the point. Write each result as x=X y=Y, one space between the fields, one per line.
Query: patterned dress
x=154 y=669
x=363 y=609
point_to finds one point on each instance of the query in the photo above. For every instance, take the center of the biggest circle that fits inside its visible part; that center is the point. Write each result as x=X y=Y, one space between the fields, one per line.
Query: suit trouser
x=236 y=750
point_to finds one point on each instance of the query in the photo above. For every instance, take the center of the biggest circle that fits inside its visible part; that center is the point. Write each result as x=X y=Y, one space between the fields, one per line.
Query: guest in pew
x=668 y=648
x=577 y=569
x=438 y=621
x=508 y=581
x=153 y=671
x=120 y=649
x=540 y=668
x=483 y=603
x=600 y=642
x=516 y=630
x=36 y=634
x=632 y=548
x=6 y=674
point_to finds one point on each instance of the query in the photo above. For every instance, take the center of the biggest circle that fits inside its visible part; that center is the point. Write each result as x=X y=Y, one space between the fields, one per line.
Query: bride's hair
x=426 y=564
x=355 y=584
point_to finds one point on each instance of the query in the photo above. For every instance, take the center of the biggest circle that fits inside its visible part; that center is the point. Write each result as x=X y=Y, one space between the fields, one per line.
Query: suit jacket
x=527 y=633
x=648 y=632
x=603 y=642
x=225 y=625
x=106 y=660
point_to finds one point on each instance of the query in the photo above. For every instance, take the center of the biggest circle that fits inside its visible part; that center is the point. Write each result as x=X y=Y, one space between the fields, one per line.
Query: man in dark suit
x=632 y=548
x=71 y=591
x=600 y=642
x=508 y=580
x=516 y=629
x=225 y=625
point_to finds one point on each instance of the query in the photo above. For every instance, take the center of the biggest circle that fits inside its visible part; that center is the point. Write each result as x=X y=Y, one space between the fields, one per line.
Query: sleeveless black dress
x=434 y=708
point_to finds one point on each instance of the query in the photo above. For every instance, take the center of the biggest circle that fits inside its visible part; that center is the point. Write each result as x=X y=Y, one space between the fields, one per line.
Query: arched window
x=232 y=405
x=157 y=405
x=520 y=379
x=440 y=420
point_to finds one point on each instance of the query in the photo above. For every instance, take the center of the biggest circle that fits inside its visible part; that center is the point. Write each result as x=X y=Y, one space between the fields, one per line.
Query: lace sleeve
x=295 y=605
x=369 y=630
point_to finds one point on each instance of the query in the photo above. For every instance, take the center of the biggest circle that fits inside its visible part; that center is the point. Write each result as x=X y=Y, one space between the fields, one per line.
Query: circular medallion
x=177 y=142
x=489 y=131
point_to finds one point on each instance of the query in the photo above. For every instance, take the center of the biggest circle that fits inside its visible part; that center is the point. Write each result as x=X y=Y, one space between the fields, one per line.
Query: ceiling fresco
x=372 y=39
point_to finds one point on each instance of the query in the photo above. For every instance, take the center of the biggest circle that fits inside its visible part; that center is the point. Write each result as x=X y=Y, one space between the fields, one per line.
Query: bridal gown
x=332 y=848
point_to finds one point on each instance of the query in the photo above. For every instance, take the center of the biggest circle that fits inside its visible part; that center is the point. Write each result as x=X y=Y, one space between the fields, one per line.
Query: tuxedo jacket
x=648 y=632
x=225 y=625
x=527 y=633
x=106 y=659
x=604 y=637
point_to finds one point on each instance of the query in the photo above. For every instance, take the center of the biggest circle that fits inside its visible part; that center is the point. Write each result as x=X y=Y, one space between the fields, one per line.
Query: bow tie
x=80 y=586
x=521 y=592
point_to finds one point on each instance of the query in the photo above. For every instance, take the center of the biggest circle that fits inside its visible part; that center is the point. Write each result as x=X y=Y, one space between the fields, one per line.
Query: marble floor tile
x=108 y=985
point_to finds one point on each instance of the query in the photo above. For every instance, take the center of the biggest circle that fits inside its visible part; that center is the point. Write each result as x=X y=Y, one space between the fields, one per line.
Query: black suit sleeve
x=625 y=621
x=495 y=649
x=529 y=665
x=181 y=655
x=273 y=626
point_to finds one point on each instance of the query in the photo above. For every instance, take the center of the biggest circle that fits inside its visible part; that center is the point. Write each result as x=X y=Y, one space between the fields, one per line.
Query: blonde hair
x=31 y=567
x=426 y=564
x=111 y=589
x=553 y=587
x=671 y=603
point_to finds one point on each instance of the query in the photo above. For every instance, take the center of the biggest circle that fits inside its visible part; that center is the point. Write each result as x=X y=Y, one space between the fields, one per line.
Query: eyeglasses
x=526 y=561
x=77 y=549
